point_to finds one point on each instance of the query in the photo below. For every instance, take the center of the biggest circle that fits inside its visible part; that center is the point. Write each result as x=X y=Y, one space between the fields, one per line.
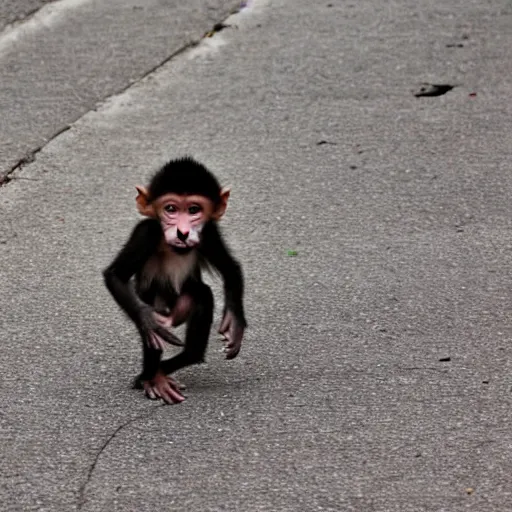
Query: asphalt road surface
x=374 y=228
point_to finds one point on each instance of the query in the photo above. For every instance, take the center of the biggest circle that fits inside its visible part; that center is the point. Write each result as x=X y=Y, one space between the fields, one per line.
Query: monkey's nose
x=182 y=236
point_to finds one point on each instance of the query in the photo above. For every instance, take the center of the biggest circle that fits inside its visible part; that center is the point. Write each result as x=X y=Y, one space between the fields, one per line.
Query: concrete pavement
x=70 y=55
x=16 y=11
x=376 y=374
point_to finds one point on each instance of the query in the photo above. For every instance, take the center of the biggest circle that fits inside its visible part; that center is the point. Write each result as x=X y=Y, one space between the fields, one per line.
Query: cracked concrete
x=15 y=11
x=71 y=55
x=27 y=159
x=82 y=491
x=31 y=156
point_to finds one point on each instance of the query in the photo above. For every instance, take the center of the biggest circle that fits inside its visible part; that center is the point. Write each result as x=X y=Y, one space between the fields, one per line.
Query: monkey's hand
x=233 y=331
x=164 y=387
x=154 y=329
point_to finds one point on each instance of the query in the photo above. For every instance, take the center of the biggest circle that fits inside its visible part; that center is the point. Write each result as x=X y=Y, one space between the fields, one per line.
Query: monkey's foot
x=164 y=387
x=137 y=383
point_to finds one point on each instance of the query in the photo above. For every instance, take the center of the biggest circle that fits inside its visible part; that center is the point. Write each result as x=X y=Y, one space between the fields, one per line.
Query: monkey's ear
x=143 y=204
x=221 y=208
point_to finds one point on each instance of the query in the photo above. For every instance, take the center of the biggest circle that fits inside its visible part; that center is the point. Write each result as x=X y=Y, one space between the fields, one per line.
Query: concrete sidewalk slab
x=72 y=54
x=12 y=11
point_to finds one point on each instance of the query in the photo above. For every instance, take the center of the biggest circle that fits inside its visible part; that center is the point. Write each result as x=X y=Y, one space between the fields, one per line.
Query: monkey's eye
x=194 y=209
x=170 y=208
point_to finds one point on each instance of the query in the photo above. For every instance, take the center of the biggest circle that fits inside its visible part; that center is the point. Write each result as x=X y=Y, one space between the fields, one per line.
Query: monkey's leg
x=150 y=379
x=150 y=364
x=155 y=383
x=189 y=306
x=198 y=330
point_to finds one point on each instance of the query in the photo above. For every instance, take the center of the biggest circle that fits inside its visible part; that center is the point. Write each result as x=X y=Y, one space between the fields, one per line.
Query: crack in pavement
x=30 y=157
x=24 y=17
x=82 y=490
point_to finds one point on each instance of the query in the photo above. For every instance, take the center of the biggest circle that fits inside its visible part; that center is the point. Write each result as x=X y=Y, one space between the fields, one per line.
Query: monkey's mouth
x=181 y=249
x=177 y=243
x=182 y=245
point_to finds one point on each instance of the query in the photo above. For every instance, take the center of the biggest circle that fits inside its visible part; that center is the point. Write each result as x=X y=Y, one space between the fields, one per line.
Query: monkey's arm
x=233 y=323
x=142 y=244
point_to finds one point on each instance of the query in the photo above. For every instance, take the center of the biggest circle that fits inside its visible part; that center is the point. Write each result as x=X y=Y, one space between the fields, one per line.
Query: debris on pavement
x=433 y=90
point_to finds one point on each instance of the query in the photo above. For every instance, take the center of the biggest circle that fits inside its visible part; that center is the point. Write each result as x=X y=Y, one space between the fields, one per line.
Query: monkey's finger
x=171 y=395
x=174 y=397
x=169 y=337
x=176 y=384
x=226 y=321
x=152 y=341
x=156 y=341
x=232 y=352
x=235 y=343
x=160 y=317
x=229 y=343
x=149 y=390
x=235 y=336
x=164 y=321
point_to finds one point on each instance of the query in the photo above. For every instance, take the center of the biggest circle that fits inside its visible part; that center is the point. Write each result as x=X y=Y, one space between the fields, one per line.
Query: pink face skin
x=183 y=218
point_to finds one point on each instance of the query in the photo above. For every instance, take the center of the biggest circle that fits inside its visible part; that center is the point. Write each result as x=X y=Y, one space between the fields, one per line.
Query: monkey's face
x=182 y=218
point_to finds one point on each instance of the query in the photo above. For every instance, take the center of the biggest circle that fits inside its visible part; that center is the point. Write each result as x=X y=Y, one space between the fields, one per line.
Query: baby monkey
x=156 y=277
